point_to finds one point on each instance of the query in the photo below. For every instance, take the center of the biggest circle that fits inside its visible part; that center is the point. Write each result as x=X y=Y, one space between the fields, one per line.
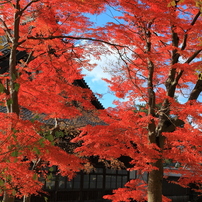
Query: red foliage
x=136 y=190
x=162 y=40
x=160 y=48
x=43 y=83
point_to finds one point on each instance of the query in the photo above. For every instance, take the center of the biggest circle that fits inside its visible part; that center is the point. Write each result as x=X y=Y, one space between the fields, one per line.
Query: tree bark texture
x=155 y=179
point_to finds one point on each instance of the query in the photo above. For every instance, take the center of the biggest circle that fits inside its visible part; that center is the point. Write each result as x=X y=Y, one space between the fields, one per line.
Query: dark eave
x=94 y=101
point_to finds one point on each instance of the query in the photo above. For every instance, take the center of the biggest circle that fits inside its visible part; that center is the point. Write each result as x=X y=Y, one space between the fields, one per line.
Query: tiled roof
x=79 y=121
x=94 y=101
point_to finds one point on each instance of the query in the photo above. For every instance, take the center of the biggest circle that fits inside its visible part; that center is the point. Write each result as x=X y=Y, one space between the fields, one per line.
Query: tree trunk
x=8 y=198
x=12 y=89
x=155 y=179
x=26 y=198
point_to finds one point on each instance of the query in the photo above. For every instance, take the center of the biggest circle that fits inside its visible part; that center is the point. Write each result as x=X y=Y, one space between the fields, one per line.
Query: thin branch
x=76 y=38
x=30 y=58
x=7 y=30
x=9 y=1
x=178 y=76
x=29 y=4
x=184 y=43
x=198 y=87
x=129 y=73
x=193 y=56
x=196 y=91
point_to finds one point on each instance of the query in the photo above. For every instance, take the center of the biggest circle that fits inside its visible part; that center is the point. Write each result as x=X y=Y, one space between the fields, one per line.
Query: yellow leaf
x=1 y=47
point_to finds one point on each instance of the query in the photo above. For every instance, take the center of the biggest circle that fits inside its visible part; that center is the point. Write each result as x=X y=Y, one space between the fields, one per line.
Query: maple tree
x=160 y=50
x=47 y=33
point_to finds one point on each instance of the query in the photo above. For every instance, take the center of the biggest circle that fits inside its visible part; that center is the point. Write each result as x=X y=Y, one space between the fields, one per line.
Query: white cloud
x=100 y=70
x=94 y=78
x=96 y=74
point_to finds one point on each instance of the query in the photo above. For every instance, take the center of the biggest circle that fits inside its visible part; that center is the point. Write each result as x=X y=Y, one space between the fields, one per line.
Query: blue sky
x=94 y=78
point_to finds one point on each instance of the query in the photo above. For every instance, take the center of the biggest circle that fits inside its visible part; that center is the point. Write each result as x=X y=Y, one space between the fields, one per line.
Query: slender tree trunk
x=155 y=176
x=12 y=102
x=26 y=198
x=155 y=179
x=8 y=198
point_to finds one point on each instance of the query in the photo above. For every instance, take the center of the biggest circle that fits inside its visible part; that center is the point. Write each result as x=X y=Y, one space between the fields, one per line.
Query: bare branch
x=30 y=57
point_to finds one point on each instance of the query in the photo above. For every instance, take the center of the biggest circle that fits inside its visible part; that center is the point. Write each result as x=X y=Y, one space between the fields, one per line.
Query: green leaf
x=9 y=102
x=13 y=192
x=14 y=131
x=34 y=118
x=14 y=137
x=49 y=137
x=50 y=176
x=16 y=86
x=51 y=169
x=2 y=183
x=37 y=151
x=35 y=176
x=168 y=161
x=9 y=177
x=41 y=142
x=14 y=77
x=59 y=134
x=45 y=199
x=10 y=147
x=14 y=153
x=1 y=88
